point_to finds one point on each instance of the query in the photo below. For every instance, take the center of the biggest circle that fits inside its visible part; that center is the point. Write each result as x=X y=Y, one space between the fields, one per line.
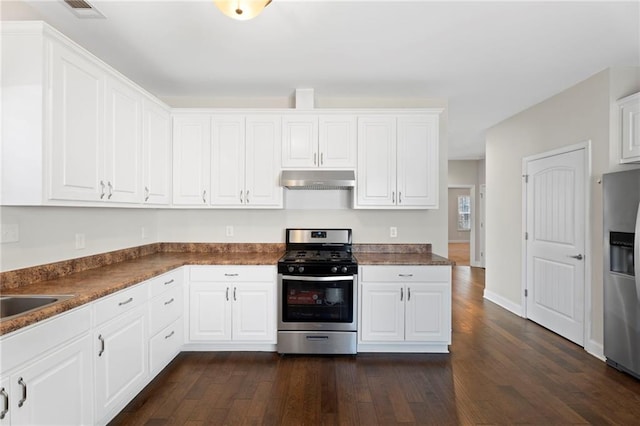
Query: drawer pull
x=129 y=300
x=408 y=294
x=170 y=334
x=5 y=397
x=405 y=275
x=24 y=392
x=169 y=282
x=168 y=301
x=230 y=275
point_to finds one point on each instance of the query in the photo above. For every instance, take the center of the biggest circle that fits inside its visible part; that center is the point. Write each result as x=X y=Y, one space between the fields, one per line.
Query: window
x=464 y=213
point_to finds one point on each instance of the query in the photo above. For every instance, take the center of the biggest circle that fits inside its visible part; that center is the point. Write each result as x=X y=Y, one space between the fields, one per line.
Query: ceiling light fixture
x=242 y=10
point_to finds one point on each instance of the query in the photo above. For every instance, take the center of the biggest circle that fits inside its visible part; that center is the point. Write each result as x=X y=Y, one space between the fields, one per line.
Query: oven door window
x=312 y=301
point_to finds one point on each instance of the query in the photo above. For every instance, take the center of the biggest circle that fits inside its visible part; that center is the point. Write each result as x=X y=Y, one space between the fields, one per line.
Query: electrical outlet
x=143 y=233
x=80 y=241
x=393 y=232
x=10 y=233
x=229 y=231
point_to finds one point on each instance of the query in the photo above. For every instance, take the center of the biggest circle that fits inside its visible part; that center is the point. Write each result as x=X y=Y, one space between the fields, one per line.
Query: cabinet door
x=156 y=153
x=227 y=160
x=209 y=312
x=428 y=312
x=121 y=361
x=123 y=145
x=376 y=161
x=299 y=141
x=55 y=389
x=5 y=401
x=630 y=132
x=417 y=161
x=191 y=159
x=263 y=154
x=254 y=312
x=77 y=125
x=337 y=141
x=382 y=312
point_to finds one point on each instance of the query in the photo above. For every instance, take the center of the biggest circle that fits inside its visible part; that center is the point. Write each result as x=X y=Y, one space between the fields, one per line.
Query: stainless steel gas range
x=317 y=293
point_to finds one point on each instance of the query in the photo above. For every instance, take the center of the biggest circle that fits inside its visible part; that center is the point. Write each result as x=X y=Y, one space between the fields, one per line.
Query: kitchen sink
x=16 y=305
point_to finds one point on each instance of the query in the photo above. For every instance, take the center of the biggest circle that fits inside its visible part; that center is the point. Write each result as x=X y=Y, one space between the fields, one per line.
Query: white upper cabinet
x=245 y=160
x=311 y=141
x=156 y=153
x=77 y=123
x=72 y=126
x=398 y=161
x=630 y=128
x=191 y=159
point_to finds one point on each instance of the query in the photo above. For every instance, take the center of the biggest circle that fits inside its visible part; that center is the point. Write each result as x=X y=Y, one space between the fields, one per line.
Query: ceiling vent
x=83 y=9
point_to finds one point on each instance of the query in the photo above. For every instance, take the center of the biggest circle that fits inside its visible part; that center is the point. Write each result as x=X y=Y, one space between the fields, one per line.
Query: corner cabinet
x=630 y=128
x=232 y=308
x=398 y=161
x=404 y=308
x=156 y=153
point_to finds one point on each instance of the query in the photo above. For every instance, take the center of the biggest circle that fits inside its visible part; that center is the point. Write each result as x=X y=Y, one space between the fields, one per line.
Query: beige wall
x=454 y=234
x=584 y=112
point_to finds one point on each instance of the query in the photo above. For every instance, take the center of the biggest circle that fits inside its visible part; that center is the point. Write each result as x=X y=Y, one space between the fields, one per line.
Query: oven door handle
x=307 y=278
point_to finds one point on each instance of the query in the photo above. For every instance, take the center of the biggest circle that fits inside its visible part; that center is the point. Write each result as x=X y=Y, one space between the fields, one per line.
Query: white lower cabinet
x=405 y=308
x=46 y=373
x=232 y=304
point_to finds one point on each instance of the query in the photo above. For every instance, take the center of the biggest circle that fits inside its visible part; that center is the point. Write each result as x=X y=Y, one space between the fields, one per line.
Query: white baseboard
x=503 y=302
x=596 y=349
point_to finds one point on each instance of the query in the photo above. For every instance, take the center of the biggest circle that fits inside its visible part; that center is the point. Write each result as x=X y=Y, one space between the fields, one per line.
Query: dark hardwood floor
x=501 y=370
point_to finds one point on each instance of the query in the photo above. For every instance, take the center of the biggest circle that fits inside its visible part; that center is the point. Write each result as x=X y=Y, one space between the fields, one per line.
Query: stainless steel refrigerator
x=622 y=270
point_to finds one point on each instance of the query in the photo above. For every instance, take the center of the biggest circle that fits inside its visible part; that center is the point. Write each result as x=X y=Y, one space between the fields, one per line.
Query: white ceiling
x=490 y=60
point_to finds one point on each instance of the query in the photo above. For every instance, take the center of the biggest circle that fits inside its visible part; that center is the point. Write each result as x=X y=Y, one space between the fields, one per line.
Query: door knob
x=577 y=256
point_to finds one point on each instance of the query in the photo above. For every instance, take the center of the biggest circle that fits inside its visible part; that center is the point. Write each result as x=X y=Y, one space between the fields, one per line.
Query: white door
x=300 y=141
x=427 y=316
x=555 y=268
x=417 y=161
x=209 y=312
x=227 y=160
x=337 y=143
x=56 y=389
x=262 y=161
x=191 y=159
x=254 y=312
x=382 y=312
x=156 y=143
x=376 y=161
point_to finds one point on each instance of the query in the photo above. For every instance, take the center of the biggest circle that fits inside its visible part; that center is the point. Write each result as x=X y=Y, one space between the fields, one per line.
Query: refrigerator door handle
x=636 y=254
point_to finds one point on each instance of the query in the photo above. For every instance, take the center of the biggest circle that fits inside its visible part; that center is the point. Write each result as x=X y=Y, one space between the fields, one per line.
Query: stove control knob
x=334 y=269
x=291 y=268
x=301 y=269
x=344 y=269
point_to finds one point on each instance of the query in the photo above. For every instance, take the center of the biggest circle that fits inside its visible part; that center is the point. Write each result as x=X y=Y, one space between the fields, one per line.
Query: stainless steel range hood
x=318 y=179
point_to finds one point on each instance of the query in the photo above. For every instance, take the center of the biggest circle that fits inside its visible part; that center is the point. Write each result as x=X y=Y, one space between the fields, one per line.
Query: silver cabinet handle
x=401 y=294
x=101 y=190
x=246 y=197
x=405 y=275
x=234 y=294
x=399 y=197
x=24 y=392
x=5 y=397
x=204 y=196
x=321 y=158
x=101 y=345
x=146 y=193
x=408 y=294
x=129 y=300
x=169 y=301
x=230 y=275
x=240 y=196
x=393 y=197
x=170 y=334
x=577 y=256
x=169 y=282
x=110 y=190
x=227 y=294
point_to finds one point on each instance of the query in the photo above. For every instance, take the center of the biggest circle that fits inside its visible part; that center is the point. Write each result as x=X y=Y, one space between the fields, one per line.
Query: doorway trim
x=586 y=146
x=472 y=237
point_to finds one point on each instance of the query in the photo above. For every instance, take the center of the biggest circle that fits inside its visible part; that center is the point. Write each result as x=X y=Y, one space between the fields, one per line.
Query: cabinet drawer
x=409 y=273
x=122 y=301
x=164 y=309
x=165 y=282
x=165 y=345
x=232 y=273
